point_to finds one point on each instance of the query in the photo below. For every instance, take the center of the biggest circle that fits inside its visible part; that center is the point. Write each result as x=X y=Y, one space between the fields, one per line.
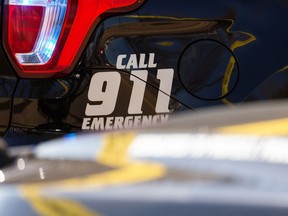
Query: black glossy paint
x=220 y=52
x=8 y=82
x=170 y=39
x=57 y=106
x=7 y=85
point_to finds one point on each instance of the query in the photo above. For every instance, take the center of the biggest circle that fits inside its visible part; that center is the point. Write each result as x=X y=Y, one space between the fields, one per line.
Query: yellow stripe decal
x=226 y=80
x=272 y=127
x=231 y=65
x=238 y=43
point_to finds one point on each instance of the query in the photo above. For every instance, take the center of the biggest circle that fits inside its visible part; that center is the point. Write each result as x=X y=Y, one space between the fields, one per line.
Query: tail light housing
x=44 y=38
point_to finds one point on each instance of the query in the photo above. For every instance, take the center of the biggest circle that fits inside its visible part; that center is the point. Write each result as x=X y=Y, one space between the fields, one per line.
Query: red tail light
x=43 y=38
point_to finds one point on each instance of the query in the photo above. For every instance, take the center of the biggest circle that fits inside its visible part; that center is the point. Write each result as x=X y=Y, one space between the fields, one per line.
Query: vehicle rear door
x=8 y=81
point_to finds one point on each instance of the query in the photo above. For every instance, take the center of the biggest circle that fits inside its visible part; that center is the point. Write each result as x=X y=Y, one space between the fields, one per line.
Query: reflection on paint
x=41 y=173
x=2 y=177
x=255 y=148
x=71 y=136
x=21 y=164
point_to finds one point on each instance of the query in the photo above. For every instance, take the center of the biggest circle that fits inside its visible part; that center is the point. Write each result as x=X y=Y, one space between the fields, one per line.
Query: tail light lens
x=44 y=38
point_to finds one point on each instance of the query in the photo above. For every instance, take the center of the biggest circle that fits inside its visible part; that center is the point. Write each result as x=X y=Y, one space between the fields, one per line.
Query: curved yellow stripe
x=226 y=79
x=238 y=43
x=231 y=65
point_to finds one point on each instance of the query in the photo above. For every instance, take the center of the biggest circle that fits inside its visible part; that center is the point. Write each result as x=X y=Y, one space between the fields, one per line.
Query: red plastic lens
x=23 y=34
x=46 y=37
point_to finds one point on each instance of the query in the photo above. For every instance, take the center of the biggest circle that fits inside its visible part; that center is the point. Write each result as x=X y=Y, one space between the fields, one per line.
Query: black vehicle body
x=214 y=52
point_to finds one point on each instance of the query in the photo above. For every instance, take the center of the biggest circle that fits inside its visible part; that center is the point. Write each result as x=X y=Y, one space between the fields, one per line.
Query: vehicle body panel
x=219 y=53
x=8 y=82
